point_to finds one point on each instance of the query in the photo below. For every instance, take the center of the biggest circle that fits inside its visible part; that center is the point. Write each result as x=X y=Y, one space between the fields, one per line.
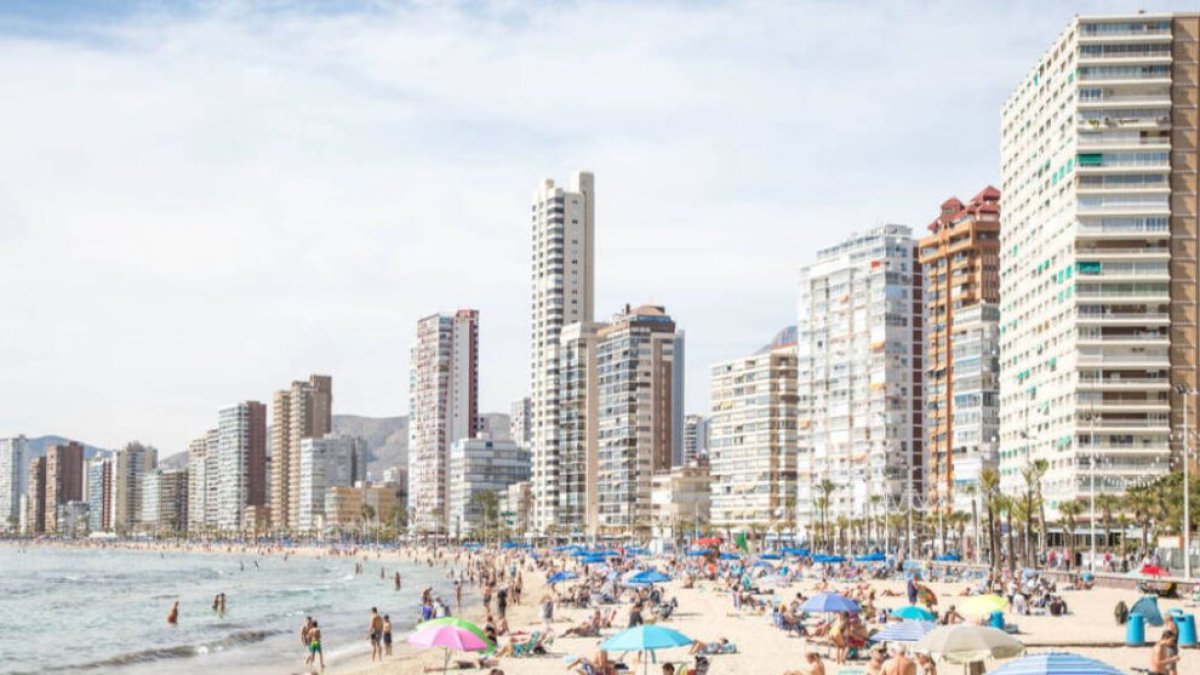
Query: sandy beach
x=707 y=613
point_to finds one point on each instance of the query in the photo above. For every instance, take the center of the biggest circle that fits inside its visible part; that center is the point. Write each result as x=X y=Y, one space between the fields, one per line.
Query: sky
x=203 y=201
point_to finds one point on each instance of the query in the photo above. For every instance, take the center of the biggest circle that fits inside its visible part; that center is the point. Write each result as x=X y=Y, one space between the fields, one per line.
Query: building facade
x=35 y=497
x=305 y=410
x=13 y=454
x=1098 y=258
x=443 y=408
x=520 y=420
x=680 y=501
x=480 y=472
x=754 y=444
x=563 y=273
x=131 y=466
x=960 y=267
x=100 y=494
x=344 y=506
x=241 y=455
x=64 y=480
x=638 y=417
x=695 y=438
x=332 y=461
x=578 y=425
x=859 y=378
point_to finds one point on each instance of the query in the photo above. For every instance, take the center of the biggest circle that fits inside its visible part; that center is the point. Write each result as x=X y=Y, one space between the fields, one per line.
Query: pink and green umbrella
x=449 y=637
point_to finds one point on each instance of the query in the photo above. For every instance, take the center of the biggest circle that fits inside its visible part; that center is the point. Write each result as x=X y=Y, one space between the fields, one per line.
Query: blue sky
x=201 y=202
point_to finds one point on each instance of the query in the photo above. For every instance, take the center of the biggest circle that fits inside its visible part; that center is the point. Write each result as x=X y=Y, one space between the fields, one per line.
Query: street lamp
x=1186 y=392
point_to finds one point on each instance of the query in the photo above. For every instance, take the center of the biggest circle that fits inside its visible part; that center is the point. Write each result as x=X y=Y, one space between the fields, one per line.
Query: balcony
x=1108 y=425
x=1123 y=383
x=1113 y=360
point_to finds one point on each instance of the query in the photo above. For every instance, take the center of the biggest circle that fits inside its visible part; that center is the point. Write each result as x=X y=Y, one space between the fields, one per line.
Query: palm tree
x=1031 y=478
x=825 y=488
x=989 y=481
x=1005 y=504
x=1041 y=466
x=1107 y=504
x=873 y=518
x=1069 y=512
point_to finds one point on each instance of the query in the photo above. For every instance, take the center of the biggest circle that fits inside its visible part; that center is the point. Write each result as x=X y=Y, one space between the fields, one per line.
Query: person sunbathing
x=465 y=664
x=721 y=646
x=589 y=628
x=597 y=665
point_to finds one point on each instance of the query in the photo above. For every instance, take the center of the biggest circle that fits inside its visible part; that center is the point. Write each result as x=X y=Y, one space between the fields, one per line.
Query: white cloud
x=197 y=207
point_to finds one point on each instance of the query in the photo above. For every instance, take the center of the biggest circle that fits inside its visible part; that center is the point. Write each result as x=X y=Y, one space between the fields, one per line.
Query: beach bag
x=1121 y=613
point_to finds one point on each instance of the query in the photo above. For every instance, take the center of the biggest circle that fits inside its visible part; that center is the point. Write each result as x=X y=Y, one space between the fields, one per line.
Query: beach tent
x=1148 y=608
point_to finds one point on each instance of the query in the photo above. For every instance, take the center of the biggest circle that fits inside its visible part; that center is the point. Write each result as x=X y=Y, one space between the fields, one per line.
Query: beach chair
x=526 y=648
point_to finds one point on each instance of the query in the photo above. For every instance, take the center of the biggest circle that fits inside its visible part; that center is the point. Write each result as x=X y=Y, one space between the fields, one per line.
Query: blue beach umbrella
x=697 y=554
x=562 y=576
x=914 y=613
x=1056 y=663
x=829 y=602
x=645 y=638
x=725 y=555
x=870 y=557
x=648 y=577
x=905 y=631
x=949 y=557
x=771 y=556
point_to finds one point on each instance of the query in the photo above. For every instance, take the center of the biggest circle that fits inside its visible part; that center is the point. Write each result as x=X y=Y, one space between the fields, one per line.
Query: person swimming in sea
x=173 y=615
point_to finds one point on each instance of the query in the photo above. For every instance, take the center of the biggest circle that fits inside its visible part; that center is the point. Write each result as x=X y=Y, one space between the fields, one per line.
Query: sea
x=67 y=610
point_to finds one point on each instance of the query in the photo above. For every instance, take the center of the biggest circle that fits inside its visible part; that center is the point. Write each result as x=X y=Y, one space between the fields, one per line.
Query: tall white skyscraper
x=859 y=376
x=1098 y=255
x=241 y=430
x=563 y=271
x=13 y=453
x=443 y=408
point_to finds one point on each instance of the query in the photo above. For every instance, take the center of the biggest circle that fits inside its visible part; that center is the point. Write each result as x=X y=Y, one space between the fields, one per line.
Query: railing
x=1123 y=358
x=1134 y=381
x=1128 y=316
x=1083 y=337
x=1124 y=250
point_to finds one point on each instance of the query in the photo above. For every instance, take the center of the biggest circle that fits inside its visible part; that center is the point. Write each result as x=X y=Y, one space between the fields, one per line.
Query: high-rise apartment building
x=130 y=467
x=578 y=424
x=35 y=501
x=305 y=410
x=242 y=437
x=443 y=408
x=335 y=460
x=13 y=452
x=64 y=480
x=563 y=272
x=859 y=374
x=479 y=466
x=1098 y=257
x=695 y=438
x=638 y=387
x=520 y=422
x=752 y=457
x=100 y=494
x=960 y=267
x=172 y=497
x=198 y=480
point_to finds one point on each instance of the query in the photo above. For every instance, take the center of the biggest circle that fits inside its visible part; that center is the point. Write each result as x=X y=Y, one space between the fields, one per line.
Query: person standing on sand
x=375 y=633
x=458 y=596
x=173 y=615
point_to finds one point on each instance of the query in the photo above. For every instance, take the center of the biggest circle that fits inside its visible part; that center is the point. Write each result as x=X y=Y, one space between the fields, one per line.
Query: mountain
x=39 y=445
x=387 y=438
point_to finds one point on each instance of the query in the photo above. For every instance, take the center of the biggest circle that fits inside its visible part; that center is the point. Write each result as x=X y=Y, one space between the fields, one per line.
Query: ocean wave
x=164 y=653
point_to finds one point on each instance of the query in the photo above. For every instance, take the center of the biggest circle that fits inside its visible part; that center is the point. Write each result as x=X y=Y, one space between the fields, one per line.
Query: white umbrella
x=963 y=643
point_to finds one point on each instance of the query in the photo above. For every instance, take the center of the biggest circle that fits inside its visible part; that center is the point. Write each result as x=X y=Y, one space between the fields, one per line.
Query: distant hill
x=387 y=438
x=38 y=446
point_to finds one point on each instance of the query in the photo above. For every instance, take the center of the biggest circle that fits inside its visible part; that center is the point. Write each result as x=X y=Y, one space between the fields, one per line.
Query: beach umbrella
x=450 y=638
x=561 y=576
x=965 y=643
x=912 y=612
x=760 y=563
x=697 y=554
x=982 y=605
x=646 y=577
x=1056 y=663
x=726 y=555
x=829 y=602
x=949 y=557
x=771 y=556
x=870 y=557
x=802 y=552
x=460 y=623
x=645 y=638
x=905 y=631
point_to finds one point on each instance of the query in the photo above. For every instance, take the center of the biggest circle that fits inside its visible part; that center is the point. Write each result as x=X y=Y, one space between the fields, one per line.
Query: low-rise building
x=680 y=500
x=480 y=467
x=344 y=506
